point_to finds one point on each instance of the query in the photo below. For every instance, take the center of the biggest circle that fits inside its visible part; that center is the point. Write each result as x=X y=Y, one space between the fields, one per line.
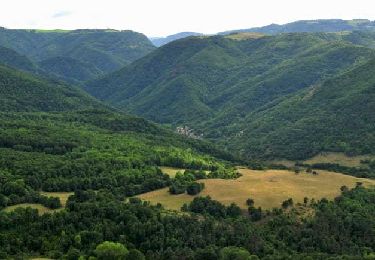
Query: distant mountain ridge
x=320 y=25
x=160 y=41
x=104 y=50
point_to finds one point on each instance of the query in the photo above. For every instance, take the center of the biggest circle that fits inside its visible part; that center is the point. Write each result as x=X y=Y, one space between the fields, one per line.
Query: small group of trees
x=208 y=206
x=255 y=214
x=186 y=182
x=194 y=188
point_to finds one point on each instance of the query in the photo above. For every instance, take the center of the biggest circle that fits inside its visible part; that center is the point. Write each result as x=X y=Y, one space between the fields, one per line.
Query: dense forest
x=240 y=91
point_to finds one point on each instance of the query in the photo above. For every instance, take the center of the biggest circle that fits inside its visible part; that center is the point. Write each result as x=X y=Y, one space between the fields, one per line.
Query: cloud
x=61 y=14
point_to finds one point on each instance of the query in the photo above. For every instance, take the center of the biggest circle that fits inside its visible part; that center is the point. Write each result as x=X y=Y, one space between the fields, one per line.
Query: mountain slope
x=322 y=25
x=212 y=84
x=160 y=41
x=336 y=115
x=24 y=92
x=106 y=50
x=13 y=59
x=69 y=69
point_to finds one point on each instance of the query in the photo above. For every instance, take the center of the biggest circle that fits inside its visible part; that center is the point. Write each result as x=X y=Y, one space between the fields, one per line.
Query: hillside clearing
x=63 y=196
x=268 y=188
x=41 y=209
x=171 y=171
x=330 y=157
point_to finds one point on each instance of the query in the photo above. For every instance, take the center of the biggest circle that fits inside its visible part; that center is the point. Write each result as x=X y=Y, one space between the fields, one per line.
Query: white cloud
x=162 y=17
x=61 y=14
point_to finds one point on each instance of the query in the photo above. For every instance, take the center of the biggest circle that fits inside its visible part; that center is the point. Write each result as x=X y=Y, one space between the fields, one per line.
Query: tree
x=111 y=251
x=73 y=254
x=233 y=211
x=234 y=253
x=344 y=188
x=135 y=254
x=250 y=202
x=255 y=213
x=287 y=203
x=194 y=188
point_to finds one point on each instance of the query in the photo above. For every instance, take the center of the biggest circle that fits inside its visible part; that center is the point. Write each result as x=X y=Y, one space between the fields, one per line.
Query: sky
x=164 y=17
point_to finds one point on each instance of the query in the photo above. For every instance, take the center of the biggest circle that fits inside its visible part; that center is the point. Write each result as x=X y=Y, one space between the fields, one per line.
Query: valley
x=116 y=146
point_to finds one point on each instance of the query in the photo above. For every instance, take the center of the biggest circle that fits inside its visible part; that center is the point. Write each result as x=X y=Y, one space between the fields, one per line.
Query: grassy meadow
x=63 y=196
x=330 y=157
x=268 y=188
x=41 y=209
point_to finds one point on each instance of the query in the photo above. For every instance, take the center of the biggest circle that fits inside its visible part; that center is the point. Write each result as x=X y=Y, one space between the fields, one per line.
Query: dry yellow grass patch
x=339 y=158
x=268 y=188
x=244 y=36
x=41 y=209
x=171 y=171
x=63 y=196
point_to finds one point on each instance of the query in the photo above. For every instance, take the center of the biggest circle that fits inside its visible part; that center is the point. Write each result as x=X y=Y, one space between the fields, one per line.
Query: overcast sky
x=163 y=17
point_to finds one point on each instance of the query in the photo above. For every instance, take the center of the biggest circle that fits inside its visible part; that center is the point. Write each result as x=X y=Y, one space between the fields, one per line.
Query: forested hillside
x=13 y=59
x=336 y=115
x=160 y=41
x=94 y=52
x=217 y=85
x=21 y=91
x=322 y=25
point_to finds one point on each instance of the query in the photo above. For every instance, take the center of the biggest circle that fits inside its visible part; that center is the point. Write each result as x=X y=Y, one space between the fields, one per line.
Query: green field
x=268 y=188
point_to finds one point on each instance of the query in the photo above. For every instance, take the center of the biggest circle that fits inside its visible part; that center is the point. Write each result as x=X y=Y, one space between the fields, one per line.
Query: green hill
x=69 y=69
x=216 y=85
x=22 y=91
x=13 y=59
x=105 y=50
x=160 y=41
x=336 y=115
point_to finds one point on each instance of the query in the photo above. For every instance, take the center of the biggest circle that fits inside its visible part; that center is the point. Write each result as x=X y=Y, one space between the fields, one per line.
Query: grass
x=171 y=171
x=41 y=209
x=244 y=36
x=330 y=157
x=268 y=188
x=63 y=196
x=339 y=158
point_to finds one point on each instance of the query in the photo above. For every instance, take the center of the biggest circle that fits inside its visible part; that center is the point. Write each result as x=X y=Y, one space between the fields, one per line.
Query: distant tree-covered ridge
x=320 y=25
x=229 y=90
x=77 y=55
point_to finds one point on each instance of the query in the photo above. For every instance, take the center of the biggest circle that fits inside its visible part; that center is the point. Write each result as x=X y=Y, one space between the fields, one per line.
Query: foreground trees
x=341 y=227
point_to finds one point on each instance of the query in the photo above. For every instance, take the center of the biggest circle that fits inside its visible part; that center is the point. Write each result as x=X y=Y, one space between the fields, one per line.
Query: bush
x=194 y=188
